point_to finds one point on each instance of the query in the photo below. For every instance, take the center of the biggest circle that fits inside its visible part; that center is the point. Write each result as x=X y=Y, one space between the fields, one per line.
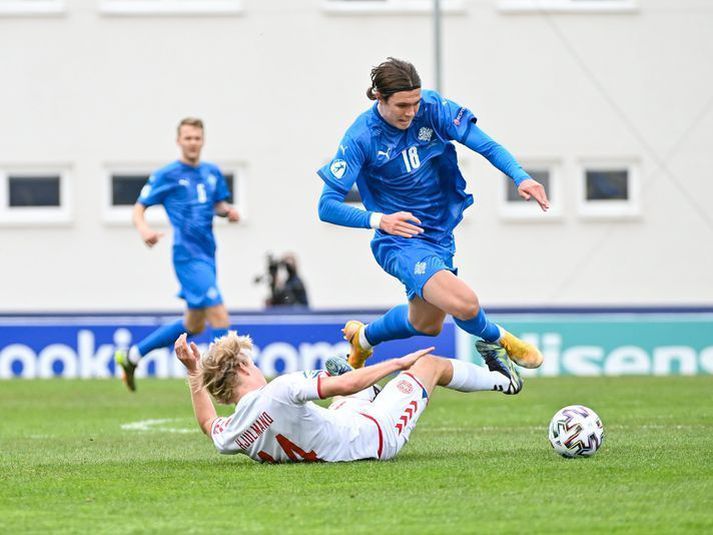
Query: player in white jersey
x=278 y=422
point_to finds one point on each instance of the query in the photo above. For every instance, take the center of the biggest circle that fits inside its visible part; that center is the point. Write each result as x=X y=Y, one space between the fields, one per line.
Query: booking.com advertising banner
x=83 y=346
x=574 y=343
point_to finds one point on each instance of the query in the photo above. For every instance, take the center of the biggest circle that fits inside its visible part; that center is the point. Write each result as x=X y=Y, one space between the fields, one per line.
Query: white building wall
x=278 y=84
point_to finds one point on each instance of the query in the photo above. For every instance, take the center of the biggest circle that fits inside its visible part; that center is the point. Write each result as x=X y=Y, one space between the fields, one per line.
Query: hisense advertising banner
x=612 y=343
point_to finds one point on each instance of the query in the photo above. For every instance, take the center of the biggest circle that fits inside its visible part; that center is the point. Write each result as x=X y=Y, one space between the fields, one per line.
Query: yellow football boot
x=357 y=354
x=520 y=352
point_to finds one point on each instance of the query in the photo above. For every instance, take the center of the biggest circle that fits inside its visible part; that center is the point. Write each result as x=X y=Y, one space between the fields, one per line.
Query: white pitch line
x=156 y=424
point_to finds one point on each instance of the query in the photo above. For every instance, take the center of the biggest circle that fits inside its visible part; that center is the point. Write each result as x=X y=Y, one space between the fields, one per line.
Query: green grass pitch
x=476 y=463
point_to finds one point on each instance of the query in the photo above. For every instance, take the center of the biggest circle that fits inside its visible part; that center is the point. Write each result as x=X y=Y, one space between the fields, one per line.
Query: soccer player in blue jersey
x=400 y=155
x=191 y=192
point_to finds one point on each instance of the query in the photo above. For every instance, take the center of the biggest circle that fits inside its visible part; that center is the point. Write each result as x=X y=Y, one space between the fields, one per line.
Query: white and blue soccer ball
x=576 y=431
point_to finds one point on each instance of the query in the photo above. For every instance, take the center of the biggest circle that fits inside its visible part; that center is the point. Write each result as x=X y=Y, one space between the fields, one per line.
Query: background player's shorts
x=198 y=283
x=397 y=408
x=412 y=261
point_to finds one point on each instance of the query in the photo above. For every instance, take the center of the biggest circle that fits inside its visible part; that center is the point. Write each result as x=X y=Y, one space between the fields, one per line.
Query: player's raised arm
x=357 y=380
x=504 y=161
x=202 y=404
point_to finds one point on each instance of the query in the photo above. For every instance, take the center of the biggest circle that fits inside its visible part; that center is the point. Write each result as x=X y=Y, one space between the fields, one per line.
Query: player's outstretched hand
x=399 y=224
x=190 y=357
x=532 y=188
x=409 y=360
x=151 y=237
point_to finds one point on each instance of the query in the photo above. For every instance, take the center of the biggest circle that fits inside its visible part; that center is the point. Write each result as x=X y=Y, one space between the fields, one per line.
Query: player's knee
x=430 y=369
x=433 y=329
x=467 y=309
x=428 y=328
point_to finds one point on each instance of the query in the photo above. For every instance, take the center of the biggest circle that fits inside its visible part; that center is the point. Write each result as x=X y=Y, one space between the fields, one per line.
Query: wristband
x=375 y=220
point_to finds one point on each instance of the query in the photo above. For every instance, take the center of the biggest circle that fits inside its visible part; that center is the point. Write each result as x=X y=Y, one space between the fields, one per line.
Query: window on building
x=514 y=207
x=34 y=196
x=608 y=190
x=542 y=175
x=606 y=184
x=125 y=188
x=33 y=191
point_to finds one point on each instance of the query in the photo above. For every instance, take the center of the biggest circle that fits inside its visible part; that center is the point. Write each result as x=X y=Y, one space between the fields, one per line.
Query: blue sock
x=393 y=325
x=480 y=326
x=164 y=336
x=219 y=332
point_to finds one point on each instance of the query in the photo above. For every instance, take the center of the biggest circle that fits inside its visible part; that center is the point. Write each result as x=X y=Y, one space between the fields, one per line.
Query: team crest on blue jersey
x=425 y=134
x=212 y=180
x=419 y=268
x=338 y=168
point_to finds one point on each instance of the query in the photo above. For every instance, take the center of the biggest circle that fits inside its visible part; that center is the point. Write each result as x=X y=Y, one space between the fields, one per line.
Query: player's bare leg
x=500 y=375
x=449 y=293
x=194 y=320
x=426 y=318
x=218 y=316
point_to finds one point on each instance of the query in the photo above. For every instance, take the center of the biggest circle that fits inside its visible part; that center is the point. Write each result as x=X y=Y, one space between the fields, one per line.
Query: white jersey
x=279 y=423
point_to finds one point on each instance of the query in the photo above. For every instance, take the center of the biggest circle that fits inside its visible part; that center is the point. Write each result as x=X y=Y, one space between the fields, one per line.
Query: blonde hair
x=219 y=365
x=189 y=121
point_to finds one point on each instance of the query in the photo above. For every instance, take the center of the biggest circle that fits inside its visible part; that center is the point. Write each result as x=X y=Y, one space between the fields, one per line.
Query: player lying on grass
x=277 y=421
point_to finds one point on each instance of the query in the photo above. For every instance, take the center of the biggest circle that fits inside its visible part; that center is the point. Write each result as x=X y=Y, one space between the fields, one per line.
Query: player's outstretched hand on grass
x=532 y=188
x=189 y=356
x=401 y=224
x=409 y=360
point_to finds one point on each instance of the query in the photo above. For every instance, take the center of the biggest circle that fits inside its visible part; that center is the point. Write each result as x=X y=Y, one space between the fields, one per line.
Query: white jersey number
x=411 y=159
x=202 y=195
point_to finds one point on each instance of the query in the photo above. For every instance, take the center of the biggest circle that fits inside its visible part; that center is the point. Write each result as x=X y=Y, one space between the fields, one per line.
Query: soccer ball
x=576 y=431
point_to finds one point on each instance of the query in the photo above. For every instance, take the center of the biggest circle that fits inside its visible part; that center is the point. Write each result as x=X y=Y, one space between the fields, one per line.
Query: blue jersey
x=188 y=195
x=414 y=170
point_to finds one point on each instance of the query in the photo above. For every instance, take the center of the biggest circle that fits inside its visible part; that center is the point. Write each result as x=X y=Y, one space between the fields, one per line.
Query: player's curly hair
x=392 y=76
x=219 y=365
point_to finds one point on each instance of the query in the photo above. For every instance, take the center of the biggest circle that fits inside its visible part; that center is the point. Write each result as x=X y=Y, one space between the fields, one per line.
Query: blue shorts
x=199 y=286
x=411 y=260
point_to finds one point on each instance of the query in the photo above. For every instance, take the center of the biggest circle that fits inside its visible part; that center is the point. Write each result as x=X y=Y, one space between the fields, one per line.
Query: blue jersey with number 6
x=414 y=170
x=188 y=195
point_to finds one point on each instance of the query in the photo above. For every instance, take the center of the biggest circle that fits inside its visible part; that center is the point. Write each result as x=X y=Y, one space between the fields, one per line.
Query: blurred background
x=609 y=103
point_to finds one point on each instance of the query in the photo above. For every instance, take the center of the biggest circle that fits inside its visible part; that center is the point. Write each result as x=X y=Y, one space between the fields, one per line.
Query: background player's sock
x=467 y=377
x=393 y=325
x=480 y=326
x=164 y=336
x=219 y=332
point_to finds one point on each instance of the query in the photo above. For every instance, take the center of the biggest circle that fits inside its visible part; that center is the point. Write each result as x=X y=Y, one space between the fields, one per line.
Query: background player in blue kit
x=191 y=192
x=400 y=155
